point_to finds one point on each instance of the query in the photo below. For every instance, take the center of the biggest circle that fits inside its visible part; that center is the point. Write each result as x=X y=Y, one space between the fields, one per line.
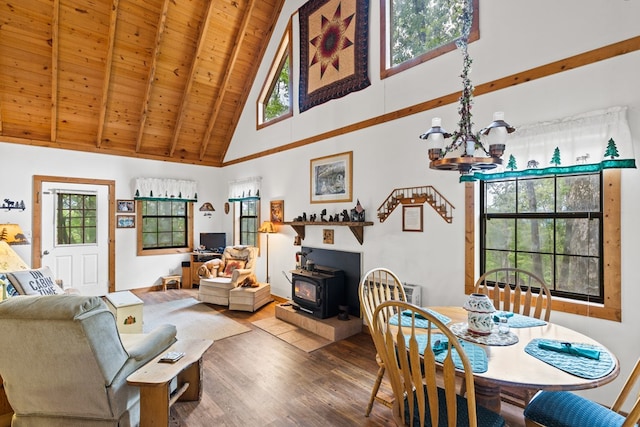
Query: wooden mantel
x=356 y=227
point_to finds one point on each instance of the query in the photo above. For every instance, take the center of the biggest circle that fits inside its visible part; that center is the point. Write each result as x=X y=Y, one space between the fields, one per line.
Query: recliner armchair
x=63 y=362
x=219 y=276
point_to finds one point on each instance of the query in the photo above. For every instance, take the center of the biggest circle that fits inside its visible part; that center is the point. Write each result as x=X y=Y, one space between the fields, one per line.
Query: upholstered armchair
x=219 y=276
x=63 y=362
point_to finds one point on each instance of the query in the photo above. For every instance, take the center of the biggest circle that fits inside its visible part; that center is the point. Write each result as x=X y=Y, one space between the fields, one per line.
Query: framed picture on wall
x=125 y=206
x=126 y=221
x=277 y=211
x=412 y=218
x=331 y=178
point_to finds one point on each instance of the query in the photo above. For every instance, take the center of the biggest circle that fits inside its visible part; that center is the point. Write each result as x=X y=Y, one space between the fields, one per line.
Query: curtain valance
x=245 y=189
x=587 y=142
x=162 y=189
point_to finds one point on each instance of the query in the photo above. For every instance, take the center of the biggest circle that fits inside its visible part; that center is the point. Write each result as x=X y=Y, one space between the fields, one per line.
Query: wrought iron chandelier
x=464 y=139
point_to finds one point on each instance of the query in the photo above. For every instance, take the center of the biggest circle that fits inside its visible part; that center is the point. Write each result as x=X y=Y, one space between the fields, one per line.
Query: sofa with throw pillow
x=219 y=276
x=38 y=281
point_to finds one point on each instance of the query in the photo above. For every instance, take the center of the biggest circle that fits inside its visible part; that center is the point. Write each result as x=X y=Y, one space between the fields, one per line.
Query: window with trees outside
x=164 y=226
x=248 y=222
x=274 y=103
x=76 y=219
x=415 y=31
x=550 y=226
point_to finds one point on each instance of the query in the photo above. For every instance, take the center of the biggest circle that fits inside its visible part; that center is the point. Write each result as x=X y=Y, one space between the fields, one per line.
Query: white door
x=77 y=249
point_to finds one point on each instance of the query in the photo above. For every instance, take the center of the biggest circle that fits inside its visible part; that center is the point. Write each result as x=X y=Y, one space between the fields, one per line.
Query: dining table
x=514 y=363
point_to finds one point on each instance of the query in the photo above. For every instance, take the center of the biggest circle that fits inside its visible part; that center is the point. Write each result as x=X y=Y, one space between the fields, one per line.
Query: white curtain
x=580 y=139
x=161 y=188
x=242 y=189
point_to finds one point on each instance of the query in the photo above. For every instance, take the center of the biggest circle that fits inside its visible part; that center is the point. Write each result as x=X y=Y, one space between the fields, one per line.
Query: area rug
x=291 y=334
x=193 y=319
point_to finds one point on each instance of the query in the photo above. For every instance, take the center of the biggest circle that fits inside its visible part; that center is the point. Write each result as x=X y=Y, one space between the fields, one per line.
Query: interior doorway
x=88 y=264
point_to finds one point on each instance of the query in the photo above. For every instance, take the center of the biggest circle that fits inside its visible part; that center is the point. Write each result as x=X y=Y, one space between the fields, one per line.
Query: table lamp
x=13 y=234
x=267 y=227
x=9 y=261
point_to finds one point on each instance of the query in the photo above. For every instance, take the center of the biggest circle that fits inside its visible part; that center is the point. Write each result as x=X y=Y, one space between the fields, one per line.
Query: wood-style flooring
x=256 y=379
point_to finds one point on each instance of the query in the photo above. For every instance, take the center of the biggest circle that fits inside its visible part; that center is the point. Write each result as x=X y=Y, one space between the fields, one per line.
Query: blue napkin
x=568 y=348
x=439 y=346
x=499 y=314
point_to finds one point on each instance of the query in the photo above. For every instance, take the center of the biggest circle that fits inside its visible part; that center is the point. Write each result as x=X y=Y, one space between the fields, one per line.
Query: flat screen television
x=215 y=242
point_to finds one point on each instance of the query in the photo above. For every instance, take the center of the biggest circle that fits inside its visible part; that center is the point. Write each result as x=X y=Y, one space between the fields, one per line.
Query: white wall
x=516 y=35
x=131 y=271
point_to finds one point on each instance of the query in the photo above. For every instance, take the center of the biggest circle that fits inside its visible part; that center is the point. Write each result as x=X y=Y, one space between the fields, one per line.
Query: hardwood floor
x=256 y=379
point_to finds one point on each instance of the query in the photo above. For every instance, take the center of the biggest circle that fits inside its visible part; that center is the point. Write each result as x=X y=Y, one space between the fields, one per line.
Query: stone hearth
x=331 y=329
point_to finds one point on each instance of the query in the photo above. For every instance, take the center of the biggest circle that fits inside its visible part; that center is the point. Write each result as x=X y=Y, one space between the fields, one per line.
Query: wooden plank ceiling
x=157 y=79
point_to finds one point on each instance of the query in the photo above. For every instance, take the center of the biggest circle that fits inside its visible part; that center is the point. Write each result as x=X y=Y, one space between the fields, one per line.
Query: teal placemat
x=516 y=320
x=476 y=355
x=579 y=366
x=420 y=323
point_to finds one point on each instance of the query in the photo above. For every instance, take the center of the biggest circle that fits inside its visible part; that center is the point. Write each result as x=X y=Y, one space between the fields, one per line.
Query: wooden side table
x=197 y=259
x=154 y=380
x=171 y=279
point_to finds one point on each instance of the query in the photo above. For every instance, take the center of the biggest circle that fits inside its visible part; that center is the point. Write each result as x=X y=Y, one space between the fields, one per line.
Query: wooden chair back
x=633 y=418
x=377 y=286
x=516 y=290
x=414 y=376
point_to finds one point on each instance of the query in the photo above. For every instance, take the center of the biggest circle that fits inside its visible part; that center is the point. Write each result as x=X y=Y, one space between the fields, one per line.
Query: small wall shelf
x=416 y=196
x=357 y=228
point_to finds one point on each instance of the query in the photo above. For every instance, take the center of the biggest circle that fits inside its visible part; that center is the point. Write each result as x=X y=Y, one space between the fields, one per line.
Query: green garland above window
x=532 y=167
x=553 y=170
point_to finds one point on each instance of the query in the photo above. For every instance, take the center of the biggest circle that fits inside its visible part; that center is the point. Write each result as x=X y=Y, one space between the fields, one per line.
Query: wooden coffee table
x=154 y=380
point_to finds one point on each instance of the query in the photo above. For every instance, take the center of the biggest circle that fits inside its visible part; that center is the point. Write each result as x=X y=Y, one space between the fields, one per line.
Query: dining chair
x=422 y=364
x=518 y=291
x=563 y=408
x=377 y=286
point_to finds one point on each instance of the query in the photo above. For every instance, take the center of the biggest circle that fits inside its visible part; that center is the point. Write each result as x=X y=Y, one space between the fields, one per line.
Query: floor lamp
x=267 y=227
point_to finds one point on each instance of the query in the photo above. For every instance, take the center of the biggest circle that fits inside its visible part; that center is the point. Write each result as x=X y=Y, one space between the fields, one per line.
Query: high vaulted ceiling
x=156 y=79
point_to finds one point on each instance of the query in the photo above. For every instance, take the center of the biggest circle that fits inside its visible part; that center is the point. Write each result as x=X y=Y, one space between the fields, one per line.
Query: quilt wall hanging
x=334 y=56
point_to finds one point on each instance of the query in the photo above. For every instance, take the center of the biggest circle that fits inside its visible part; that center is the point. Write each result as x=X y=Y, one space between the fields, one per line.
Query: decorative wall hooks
x=11 y=204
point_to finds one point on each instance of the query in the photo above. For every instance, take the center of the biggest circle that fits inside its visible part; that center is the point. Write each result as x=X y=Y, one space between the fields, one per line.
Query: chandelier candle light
x=464 y=138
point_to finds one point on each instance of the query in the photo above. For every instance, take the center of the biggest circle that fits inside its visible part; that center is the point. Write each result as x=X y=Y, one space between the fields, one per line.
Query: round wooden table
x=511 y=366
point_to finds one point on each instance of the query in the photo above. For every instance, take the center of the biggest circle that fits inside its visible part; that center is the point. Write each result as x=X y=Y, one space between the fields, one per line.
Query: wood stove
x=318 y=292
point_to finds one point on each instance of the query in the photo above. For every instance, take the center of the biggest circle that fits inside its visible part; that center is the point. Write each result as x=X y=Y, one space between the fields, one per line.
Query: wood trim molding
x=144 y=252
x=36 y=220
x=612 y=307
x=576 y=61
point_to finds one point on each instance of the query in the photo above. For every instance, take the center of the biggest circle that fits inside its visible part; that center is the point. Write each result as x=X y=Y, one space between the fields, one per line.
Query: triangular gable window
x=275 y=103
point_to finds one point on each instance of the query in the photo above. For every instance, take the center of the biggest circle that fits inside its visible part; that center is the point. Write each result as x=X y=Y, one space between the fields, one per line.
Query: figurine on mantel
x=357 y=213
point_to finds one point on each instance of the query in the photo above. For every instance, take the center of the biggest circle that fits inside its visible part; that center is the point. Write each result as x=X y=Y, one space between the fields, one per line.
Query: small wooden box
x=127 y=308
x=250 y=299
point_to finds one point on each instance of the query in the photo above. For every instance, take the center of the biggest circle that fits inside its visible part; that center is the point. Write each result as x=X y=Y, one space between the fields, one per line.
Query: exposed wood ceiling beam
x=227 y=75
x=152 y=73
x=111 y=40
x=55 y=51
x=204 y=27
